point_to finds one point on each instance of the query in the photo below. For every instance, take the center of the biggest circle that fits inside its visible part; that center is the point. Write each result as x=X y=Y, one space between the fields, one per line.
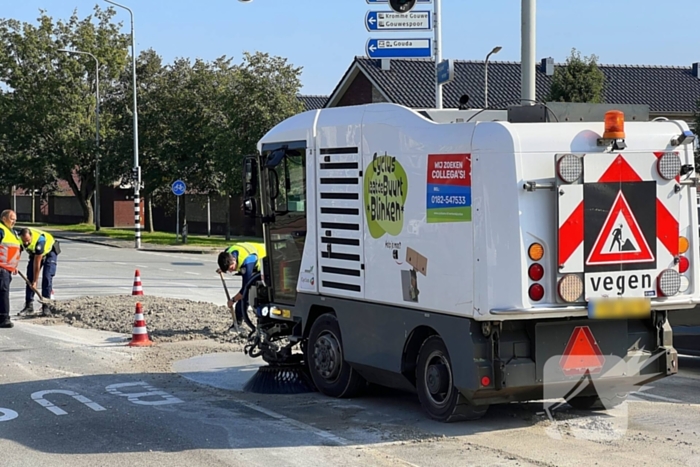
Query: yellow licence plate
x=621 y=308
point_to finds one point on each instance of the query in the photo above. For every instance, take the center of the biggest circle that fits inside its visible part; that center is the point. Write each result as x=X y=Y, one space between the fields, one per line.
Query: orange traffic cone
x=137 y=290
x=139 y=334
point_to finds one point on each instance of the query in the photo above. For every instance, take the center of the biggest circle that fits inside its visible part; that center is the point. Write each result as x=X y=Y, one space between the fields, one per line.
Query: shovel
x=45 y=301
x=228 y=297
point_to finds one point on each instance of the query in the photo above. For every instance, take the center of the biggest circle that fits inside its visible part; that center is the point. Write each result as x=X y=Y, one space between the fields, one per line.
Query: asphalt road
x=101 y=410
x=87 y=269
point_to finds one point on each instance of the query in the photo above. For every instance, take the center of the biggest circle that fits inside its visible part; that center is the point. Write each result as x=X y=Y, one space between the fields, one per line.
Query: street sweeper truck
x=474 y=257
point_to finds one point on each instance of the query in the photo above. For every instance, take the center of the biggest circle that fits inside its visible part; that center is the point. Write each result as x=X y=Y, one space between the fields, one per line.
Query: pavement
x=117 y=243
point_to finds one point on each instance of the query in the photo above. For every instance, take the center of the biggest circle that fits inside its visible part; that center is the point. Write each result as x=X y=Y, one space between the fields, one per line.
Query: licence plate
x=620 y=308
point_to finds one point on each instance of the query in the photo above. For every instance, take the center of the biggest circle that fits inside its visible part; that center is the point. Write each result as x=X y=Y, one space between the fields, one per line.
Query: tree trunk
x=184 y=218
x=228 y=216
x=150 y=214
x=83 y=199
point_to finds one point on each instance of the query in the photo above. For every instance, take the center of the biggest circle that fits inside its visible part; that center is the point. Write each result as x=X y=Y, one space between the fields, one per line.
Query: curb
x=112 y=245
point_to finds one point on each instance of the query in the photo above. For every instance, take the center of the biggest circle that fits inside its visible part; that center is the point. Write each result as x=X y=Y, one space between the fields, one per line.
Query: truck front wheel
x=435 y=385
x=329 y=370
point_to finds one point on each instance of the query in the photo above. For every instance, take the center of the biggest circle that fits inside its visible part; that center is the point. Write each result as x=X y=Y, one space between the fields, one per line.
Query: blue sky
x=324 y=36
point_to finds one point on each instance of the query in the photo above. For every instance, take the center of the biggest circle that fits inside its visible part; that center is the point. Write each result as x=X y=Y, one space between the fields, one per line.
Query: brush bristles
x=280 y=380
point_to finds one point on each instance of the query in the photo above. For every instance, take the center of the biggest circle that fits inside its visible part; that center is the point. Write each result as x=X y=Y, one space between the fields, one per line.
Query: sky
x=324 y=37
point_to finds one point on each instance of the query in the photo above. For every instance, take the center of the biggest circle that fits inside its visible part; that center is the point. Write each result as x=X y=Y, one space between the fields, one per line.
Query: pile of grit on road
x=167 y=319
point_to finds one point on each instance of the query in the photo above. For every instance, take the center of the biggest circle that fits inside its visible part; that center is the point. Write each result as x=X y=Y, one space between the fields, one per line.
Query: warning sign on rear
x=619 y=227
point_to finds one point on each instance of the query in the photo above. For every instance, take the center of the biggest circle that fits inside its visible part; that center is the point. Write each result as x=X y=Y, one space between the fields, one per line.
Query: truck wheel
x=435 y=385
x=597 y=402
x=329 y=370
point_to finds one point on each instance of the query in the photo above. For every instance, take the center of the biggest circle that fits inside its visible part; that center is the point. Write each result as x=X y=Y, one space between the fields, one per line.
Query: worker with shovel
x=43 y=254
x=243 y=259
x=10 y=251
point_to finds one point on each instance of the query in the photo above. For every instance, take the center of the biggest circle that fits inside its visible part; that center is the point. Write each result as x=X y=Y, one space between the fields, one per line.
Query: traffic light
x=402 y=6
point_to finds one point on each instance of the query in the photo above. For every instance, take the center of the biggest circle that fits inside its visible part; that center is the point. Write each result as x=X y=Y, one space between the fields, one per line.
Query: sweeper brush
x=277 y=378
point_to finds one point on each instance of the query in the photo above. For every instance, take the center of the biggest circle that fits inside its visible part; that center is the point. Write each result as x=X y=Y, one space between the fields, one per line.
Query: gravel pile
x=167 y=319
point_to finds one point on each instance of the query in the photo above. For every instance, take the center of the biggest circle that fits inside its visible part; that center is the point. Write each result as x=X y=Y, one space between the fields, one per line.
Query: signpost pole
x=178 y=189
x=438 y=52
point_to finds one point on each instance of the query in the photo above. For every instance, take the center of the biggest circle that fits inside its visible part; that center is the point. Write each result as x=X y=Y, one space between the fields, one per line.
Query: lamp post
x=97 y=132
x=486 y=75
x=136 y=179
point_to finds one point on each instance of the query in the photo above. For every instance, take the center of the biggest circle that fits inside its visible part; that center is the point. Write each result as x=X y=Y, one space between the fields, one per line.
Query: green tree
x=580 y=80
x=49 y=124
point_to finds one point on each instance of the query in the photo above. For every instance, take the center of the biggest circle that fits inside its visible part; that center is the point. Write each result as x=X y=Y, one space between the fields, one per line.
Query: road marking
x=192 y=273
x=121 y=264
x=39 y=398
x=136 y=397
x=164 y=269
x=317 y=431
x=7 y=415
x=141 y=266
x=654 y=396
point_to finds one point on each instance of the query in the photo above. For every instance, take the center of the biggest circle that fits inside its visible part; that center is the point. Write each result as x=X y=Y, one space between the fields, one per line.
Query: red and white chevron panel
x=609 y=169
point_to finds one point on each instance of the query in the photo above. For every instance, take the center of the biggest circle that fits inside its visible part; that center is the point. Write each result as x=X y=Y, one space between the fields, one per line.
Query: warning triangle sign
x=621 y=239
x=582 y=354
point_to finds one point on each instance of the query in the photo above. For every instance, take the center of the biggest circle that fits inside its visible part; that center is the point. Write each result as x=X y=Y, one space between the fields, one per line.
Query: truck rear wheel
x=329 y=370
x=435 y=385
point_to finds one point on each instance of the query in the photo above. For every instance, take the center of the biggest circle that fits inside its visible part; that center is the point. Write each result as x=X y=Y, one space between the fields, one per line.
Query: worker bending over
x=43 y=253
x=243 y=259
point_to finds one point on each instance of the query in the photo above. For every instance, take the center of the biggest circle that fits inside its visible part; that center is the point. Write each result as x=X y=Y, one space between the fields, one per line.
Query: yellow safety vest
x=36 y=234
x=10 y=249
x=247 y=249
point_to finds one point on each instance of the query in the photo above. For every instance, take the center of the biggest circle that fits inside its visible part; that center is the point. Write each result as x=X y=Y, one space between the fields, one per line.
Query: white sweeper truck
x=473 y=257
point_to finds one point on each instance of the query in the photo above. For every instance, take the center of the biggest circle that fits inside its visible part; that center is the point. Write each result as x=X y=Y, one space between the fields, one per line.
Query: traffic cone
x=139 y=334
x=137 y=290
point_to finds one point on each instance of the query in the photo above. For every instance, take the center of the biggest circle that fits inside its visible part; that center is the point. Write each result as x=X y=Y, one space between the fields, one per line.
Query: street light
x=486 y=75
x=97 y=133
x=136 y=179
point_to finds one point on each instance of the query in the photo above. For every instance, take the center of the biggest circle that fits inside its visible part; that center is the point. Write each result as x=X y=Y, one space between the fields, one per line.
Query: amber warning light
x=614 y=125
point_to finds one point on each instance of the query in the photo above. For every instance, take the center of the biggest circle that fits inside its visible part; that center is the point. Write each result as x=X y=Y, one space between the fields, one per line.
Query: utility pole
x=528 y=42
x=137 y=169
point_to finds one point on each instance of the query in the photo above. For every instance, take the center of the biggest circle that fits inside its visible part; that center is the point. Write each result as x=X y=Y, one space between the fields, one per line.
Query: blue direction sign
x=399 y=48
x=390 y=21
x=179 y=188
x=445 y=71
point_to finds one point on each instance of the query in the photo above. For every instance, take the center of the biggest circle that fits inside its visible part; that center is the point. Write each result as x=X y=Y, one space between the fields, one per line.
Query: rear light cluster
x=670 y=281
x=536 y=272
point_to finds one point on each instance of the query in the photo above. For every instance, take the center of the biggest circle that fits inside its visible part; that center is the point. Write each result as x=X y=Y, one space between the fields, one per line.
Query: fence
x=203 y=214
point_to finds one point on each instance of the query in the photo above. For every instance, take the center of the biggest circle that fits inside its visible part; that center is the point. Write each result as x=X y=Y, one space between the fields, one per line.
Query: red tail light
x=683 y=265
x=536 y=272
x=536 y=292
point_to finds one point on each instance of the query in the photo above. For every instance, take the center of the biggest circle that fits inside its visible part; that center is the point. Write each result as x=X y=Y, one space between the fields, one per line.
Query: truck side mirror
x=250 y=176
x=249 y=207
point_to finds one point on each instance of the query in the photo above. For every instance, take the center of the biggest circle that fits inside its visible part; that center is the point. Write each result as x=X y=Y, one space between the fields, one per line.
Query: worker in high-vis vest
x=244 y=259
x=10 y=251
x=43 y=252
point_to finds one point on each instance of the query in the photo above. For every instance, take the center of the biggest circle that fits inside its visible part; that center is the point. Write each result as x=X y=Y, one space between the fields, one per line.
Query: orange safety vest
x=10 y=248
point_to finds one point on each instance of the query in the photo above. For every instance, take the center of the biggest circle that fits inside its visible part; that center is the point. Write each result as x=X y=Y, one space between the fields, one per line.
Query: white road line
x=317 y=431
x=164 y=269
x=654 y=396
x=141 y=266
x=193 y=273
x=121 y=264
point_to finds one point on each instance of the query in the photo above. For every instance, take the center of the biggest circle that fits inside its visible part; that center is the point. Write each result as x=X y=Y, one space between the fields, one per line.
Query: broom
x=279 y=378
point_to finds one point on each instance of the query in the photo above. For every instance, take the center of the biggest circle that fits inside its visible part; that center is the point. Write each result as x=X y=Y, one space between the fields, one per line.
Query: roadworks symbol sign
x=621 y=239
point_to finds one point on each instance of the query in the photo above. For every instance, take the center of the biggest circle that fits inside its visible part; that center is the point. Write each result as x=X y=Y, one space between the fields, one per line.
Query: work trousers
x=5 y=279
x=48 y=266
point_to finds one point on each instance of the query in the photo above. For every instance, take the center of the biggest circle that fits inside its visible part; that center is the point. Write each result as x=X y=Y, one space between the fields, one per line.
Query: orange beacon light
x=614 y=125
